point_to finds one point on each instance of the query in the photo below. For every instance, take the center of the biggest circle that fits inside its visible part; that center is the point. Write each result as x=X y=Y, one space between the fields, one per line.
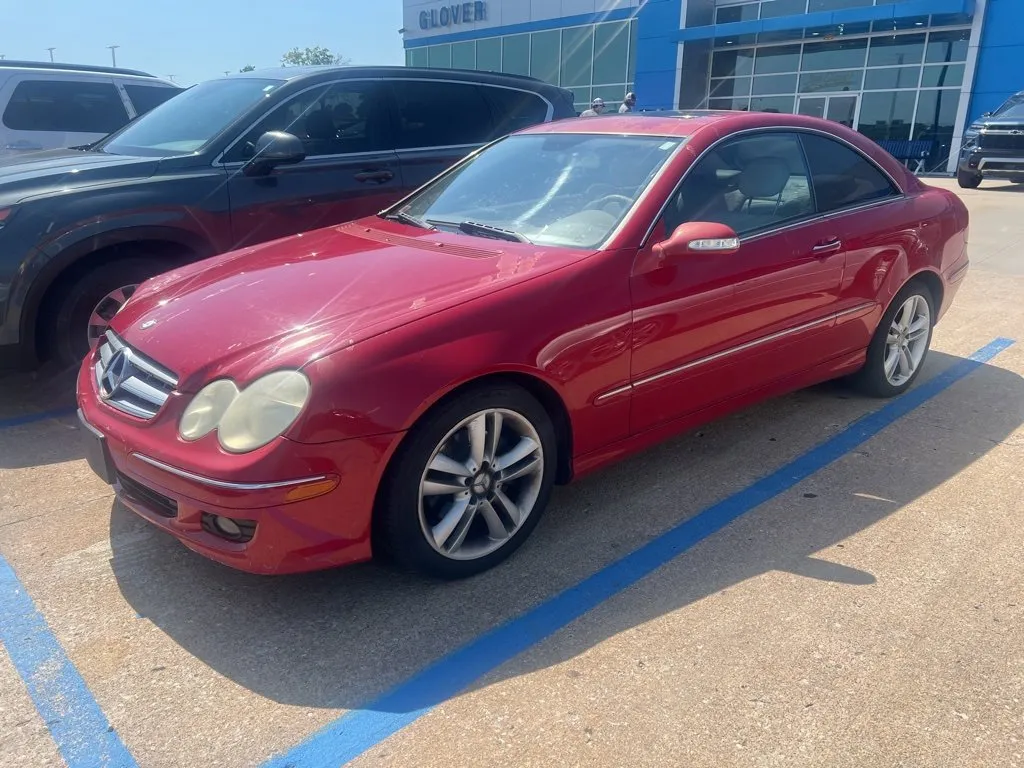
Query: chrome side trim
x=221 y=483
x=776 y=129
x=985 y=161
x=733 y=350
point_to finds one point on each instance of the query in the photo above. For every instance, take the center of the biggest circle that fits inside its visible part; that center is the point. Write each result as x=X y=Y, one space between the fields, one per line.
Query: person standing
x=596 y=108
x=628 y=103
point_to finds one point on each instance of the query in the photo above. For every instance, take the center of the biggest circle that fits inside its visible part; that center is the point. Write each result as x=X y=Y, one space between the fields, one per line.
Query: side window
x=750 y=183
x=66 y=106
x=439 y=114
x=146 y=97
x=339 y=119
x=513 y=110
x=842 y=177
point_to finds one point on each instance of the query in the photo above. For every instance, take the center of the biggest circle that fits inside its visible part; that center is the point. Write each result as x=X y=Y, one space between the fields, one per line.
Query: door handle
x=379 y=176
x=827 y=247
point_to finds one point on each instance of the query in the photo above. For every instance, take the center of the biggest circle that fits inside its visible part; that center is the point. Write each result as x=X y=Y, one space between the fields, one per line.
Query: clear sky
x=198 y=39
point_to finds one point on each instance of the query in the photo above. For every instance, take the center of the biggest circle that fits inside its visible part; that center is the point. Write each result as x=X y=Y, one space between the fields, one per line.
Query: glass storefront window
x=611 y=52
x=631 y=65
x=545 y=55
x=417 y=57
x=777 y=104
x=774 y=84
x=733 y=86
x=895 y=50
x=731 y=13
x=891 y=77
x=836 y=54
x=947 y=46
x=830 y=82
x=579 y=56
x=887 y=115
x=777 y=59
x=464 y=55
x=936 y=116
x=439 y=56
x=736 y=105
x=488 y=54
x=732 y=63
x=515 y=54
x=783 y=8
x=836 y=5
x=943 y=77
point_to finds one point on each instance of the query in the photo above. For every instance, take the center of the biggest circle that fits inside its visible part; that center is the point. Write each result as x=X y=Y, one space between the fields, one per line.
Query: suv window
x=843 y=177
x=337 y=119
x=513 y=110
x=146 y=97
x=439 y=114
x=749 y=183
x=65 y=105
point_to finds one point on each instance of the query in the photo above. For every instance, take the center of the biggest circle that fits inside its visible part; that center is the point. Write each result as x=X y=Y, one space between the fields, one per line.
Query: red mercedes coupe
x=414 y=383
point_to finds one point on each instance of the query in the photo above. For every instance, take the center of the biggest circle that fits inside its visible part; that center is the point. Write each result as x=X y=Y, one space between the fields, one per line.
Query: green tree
x=247 y=68
x=311 y=57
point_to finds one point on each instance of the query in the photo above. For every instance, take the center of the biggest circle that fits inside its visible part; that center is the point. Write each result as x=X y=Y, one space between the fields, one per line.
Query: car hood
x=289 y=302
x=32 y=173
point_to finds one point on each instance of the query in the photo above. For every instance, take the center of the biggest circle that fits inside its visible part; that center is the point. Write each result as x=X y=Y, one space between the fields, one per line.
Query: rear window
x=66 y=106
x=145 y=97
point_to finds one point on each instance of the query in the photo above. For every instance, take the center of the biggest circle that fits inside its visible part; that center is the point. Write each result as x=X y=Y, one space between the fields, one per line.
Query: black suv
x=226 y=164
x=994 y=146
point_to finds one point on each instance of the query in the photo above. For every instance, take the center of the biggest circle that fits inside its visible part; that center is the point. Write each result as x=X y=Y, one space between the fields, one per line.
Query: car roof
x=679 y=123
x=6 y=64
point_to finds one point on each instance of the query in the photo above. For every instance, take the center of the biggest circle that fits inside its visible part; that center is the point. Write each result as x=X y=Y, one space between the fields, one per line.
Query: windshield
x=1014 y=107
x=190 y=120
x=565 y=189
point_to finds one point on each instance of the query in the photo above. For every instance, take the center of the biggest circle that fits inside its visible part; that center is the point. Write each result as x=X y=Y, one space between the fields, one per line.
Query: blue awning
x=895 y=10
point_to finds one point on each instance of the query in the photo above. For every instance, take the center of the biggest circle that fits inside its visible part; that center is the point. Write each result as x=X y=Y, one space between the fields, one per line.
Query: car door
x=437 y=123
x=866 y=215
x=55 y=110
x=709 y=326
x=350 y=169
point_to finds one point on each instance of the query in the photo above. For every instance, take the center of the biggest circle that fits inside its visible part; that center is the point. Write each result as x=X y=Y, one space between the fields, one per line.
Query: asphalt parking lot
x=823 y=580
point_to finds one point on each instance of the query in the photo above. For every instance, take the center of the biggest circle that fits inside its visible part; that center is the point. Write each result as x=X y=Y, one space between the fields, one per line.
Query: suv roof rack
x=9 y=64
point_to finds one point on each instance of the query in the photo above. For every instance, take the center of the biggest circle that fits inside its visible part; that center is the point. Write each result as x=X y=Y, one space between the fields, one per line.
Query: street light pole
x=51 y=50
x=113 y=54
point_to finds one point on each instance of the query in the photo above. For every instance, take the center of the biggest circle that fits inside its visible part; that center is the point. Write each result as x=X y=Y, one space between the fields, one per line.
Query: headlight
x=263 y=411
x=206 y=409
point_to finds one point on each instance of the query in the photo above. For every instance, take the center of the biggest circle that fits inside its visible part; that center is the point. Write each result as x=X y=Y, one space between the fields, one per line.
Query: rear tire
x=968 y=180
x=892 y=366
x=497 y=493
x=91 y=300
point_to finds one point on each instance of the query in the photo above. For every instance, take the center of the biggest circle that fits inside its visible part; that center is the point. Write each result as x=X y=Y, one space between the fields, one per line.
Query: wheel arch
x=933 y=282
x=59 y=272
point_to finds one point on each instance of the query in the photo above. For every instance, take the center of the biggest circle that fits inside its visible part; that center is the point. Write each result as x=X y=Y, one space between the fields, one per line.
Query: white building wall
x=500 y=13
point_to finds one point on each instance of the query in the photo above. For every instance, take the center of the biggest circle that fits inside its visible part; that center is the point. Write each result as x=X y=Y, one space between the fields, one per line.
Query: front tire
x=900 y=344
x=968 y=180
x=469 y=485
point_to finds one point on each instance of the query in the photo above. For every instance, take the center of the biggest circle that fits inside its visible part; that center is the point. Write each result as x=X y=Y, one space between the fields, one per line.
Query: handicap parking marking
x=78 y=727
x=354 y=733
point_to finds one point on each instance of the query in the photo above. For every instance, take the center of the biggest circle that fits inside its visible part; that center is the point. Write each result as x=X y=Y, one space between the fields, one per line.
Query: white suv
x=48 y=106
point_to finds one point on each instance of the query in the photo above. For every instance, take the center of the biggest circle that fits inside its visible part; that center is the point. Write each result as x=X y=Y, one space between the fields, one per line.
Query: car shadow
x=337 y=639
x=37 y=421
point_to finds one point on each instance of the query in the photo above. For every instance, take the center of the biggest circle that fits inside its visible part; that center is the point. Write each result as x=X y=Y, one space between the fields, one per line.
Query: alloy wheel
x=907 y=340
x=104 y=311
x=481 y=484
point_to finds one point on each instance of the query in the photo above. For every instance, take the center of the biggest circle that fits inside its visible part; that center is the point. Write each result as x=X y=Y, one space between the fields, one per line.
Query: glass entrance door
x=842 y=108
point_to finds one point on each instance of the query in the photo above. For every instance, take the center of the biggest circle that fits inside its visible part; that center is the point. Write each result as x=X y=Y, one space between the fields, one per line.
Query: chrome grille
x=129 y=381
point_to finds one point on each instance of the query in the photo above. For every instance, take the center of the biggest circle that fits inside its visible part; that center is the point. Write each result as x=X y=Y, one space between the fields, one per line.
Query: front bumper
x=293 y=533
x=993 y=163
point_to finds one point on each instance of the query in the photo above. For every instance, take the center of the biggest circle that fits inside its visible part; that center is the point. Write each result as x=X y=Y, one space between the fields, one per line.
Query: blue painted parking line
x=31 y=418
x=82 y=734
x=359 y=730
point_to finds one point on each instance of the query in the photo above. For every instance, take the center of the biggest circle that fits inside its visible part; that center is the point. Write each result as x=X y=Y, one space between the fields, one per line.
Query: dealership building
x=911 y=74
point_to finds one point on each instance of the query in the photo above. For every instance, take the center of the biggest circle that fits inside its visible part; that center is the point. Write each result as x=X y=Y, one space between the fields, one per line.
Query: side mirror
x=698 y=237
x=986 y=114
x=274 y=148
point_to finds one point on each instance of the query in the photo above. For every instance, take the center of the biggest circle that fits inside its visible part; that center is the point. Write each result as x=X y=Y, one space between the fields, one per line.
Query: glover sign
x=451 y=15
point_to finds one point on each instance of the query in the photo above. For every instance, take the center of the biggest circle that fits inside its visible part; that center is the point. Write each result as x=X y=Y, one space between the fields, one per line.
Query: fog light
x=229 y=528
